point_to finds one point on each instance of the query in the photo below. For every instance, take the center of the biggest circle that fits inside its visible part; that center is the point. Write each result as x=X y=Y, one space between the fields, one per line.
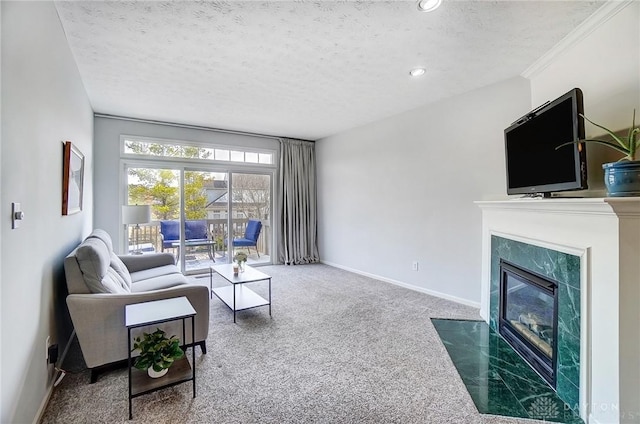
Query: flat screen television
x=534 y=166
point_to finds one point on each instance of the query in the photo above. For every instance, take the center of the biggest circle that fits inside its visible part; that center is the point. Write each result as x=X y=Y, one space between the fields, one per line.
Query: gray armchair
x=101 y=283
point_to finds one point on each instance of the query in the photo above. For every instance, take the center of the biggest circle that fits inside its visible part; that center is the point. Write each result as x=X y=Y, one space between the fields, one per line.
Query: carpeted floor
x=340 y=348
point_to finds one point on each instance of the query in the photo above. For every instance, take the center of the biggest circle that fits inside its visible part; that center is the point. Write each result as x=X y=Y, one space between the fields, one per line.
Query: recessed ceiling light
x=416 y=72
x=428 y=5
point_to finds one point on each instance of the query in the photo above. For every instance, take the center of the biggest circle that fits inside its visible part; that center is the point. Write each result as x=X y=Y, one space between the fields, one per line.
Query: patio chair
x=251 y=234
x=196 y=234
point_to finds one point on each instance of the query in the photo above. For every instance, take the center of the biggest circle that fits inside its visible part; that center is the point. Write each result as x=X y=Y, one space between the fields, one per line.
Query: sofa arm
x=100 y=323
x=135 y=263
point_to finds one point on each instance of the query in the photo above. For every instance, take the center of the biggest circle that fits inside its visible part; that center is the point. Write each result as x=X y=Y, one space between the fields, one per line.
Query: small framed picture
x=72 y=179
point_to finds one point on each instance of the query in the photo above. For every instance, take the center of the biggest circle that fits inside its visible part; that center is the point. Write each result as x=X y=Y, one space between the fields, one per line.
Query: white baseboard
x=407 y=286
x=45 y=401
x=592 y=420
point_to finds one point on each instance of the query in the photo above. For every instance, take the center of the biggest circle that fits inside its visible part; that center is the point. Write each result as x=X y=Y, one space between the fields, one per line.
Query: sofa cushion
x=104 y=236
x=120 y=268
x=94 y=260
x=159 y=282
x=114 y=283
x=145 y=274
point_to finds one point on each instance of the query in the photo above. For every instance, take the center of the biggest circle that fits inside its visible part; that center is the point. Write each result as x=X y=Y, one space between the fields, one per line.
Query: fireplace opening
x=529 y=317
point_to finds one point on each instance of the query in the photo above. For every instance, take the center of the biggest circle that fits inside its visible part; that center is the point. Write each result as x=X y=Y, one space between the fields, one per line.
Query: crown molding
x=593 y=22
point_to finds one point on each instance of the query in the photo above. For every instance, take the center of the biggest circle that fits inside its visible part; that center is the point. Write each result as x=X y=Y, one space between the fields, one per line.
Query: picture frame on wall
x=72 y=179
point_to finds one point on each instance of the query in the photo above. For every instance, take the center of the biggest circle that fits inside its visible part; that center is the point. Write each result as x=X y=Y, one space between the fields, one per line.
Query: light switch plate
x=16 y=215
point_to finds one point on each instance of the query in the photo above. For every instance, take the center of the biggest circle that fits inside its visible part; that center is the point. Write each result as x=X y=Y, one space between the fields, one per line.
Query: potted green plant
x=622 y=178
x=157 y=352
x=240 y=258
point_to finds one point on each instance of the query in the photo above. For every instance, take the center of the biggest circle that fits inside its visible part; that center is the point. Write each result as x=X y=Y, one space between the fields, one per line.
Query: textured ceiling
x=302 y=69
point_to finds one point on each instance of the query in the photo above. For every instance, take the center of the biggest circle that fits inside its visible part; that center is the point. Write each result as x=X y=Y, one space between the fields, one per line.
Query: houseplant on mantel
x=157 y=352
x=622 y=178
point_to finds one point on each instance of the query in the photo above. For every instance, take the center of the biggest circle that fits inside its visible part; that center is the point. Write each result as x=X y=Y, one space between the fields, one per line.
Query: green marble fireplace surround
x=564 y=269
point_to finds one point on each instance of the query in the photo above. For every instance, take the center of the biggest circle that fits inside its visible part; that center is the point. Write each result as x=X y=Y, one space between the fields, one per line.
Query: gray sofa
x=100 y=284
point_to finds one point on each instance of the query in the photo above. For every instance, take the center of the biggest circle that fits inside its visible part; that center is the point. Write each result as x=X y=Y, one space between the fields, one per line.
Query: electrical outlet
x=47 y=343
x=53 y=354
x=414 y=265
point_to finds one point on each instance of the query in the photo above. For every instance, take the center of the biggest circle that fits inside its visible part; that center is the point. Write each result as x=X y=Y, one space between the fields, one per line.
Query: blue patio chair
x=251 y=234
x=170 y=233
x=195 y=231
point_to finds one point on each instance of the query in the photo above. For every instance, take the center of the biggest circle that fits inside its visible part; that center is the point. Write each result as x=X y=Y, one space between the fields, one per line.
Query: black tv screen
x=534 y=165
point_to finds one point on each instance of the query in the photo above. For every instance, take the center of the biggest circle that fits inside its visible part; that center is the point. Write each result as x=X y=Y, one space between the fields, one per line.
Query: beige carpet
x=340 y=348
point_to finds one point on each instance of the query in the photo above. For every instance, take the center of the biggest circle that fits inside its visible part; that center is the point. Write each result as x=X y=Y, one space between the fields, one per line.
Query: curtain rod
x=194 y=127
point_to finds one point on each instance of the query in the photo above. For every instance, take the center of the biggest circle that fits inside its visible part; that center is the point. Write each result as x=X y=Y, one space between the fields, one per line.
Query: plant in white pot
x=622 y=178
x=157 y=352
x=241 y=259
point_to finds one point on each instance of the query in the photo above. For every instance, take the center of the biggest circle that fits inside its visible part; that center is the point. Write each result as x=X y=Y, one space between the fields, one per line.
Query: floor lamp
x=136 y=214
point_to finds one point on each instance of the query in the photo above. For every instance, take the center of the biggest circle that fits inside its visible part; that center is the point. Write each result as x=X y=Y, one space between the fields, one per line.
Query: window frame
x=197 y=144
x=184 y=164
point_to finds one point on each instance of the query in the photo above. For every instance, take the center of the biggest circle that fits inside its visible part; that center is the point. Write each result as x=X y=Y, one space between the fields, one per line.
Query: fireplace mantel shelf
x=621 y=206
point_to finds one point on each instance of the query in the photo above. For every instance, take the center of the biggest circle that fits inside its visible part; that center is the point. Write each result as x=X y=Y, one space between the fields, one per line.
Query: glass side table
x=158 y=312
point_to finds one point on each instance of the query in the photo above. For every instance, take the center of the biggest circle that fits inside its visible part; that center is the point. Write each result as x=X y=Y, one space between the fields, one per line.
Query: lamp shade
x=136 y=214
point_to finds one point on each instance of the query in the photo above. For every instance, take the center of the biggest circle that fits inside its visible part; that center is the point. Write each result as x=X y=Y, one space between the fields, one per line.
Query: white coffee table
x=236 y=296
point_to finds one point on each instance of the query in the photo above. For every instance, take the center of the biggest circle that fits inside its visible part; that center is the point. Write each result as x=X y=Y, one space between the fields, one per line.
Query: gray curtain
x=298 y=220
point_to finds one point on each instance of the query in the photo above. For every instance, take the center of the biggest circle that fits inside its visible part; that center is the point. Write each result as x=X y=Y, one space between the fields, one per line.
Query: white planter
x=156 y=374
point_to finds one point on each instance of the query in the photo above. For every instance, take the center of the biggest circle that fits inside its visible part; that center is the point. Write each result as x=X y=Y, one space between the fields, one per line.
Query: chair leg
x=93 y=377
x=203 y=347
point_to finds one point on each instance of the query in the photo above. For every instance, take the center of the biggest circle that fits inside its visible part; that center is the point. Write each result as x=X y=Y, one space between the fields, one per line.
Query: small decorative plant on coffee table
x=241 y=259
x=157 y=352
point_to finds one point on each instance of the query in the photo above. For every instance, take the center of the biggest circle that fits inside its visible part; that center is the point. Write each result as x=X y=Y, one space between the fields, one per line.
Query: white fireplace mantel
x=605 y=233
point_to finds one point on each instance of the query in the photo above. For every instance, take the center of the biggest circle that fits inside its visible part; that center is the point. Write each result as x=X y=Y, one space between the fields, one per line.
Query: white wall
x=109 y=176
x=402 y=189
x=1 y=408
x=605 y=65
x=43 y=104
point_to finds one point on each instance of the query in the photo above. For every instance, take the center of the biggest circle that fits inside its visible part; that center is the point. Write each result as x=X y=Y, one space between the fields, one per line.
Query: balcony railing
x=218 y=229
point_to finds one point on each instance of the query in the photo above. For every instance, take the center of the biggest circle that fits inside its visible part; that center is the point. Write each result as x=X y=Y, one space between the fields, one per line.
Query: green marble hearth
x=499 y=381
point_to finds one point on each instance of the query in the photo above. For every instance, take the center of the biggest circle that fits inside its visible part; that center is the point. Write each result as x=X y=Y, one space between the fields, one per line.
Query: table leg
x=269 y=296
x=129 y=364
x=193 y=353
x=212 y=252
x=234 y=303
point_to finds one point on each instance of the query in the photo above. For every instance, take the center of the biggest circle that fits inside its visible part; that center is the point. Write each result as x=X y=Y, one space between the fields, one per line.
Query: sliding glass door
x=202 y=216
x=205 y=219
x=251 y=223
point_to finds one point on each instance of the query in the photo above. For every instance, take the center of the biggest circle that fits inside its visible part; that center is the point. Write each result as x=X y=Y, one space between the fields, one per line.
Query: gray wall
x=43 y=104
x=109 y=175
x=402 y=189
